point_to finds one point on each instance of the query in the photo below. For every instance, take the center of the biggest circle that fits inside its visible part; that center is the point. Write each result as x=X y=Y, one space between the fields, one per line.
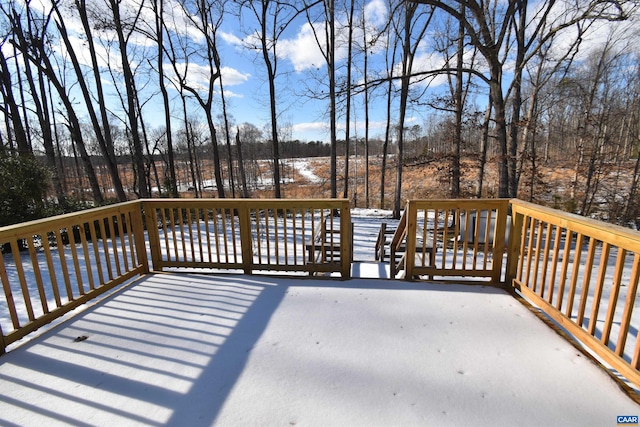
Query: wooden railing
x=584 y=274
x=52 y=266
x=454 y=239
x=250 y=235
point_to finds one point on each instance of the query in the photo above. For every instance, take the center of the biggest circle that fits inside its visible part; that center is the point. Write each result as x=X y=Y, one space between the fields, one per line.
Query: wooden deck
x=179 y=349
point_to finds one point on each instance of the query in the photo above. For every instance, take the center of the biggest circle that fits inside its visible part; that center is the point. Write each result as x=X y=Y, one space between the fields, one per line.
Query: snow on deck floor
x=194 y=350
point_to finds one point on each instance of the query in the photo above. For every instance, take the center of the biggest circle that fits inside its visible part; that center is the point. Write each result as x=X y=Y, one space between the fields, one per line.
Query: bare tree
x=160 y=28
x=347 y=132
x=272 y=18
x=489 y=27
x=413 y=27
x=324 y=30
x=207 y=18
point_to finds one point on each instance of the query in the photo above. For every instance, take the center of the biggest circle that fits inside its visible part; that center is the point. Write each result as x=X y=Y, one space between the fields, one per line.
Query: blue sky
x=301 y=69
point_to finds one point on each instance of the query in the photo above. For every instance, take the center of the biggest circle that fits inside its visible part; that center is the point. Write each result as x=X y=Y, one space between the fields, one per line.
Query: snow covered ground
x=264 y=351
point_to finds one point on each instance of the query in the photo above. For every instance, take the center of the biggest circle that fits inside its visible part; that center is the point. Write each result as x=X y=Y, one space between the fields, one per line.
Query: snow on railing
x=51 y=266
x=454 y=239
x=584 y=274
x=250 y=235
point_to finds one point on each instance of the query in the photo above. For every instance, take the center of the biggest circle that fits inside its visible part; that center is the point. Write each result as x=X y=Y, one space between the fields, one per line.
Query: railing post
x=410 y=254
x=138 y=236
x=151 y=220
x=244 y=219
x=499 y=239
x=345 y=240
x=515 y=238
x=3 y=345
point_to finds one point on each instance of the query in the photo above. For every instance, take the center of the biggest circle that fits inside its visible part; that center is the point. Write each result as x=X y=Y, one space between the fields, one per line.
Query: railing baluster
x=632 y=291
x=258 y=236
x=602 y=272
x=586 y=281
x=15 y=251
x=545 y=259
x=457 y=238
x=63 y=265
x=276 y=217
x=554 y=262
x=523 y=252
x=182 y=234
x=207 y=232
x=8 y=294
x=105 y=245
x=574 y=275
x=225 y=236
x=489 y=238
x=122 y=226
x=216 y=233
x=536 y=264
x=165 y=232
x=531 y=238
x=295 y=237
x=476 y=237
x=114 y=245
x=445 y=236
x=52 y=271
x=74 y=255
x=189 y=219
x=37 y=275
x=613 y=296
x=85 y=253
x=234 y=237
x=95 y=230
x=130 y=236
x=565 y=267
x=468 y=234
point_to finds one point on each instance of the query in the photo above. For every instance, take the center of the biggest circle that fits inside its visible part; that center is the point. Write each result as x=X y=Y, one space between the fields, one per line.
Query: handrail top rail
x=616 y=234
x=450 y=202
x=23 y=228
x=238 y=202
x=400 y=232
x=34 y=226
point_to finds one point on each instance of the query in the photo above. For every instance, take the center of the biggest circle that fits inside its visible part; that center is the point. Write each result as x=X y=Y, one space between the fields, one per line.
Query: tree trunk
x=459 y=108
x=347 y=133
x=159 y=21
x=14 y=115
x=243 y=176
x=484 y=142
x=103 y=136
x=130 y=86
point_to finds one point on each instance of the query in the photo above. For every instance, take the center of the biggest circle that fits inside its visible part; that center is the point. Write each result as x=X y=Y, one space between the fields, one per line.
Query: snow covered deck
x=178 y=349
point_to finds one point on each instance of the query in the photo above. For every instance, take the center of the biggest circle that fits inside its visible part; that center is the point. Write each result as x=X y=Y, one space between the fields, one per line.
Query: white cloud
x=82 y=51
x=232 y=77
x=230 y=38
x=302 y=51
x=594 y=36
x=197 y=77
x=375 y=13
x=311 y=127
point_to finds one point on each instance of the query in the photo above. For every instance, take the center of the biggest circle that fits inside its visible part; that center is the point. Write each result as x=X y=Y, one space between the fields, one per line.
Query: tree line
x=514 y=84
